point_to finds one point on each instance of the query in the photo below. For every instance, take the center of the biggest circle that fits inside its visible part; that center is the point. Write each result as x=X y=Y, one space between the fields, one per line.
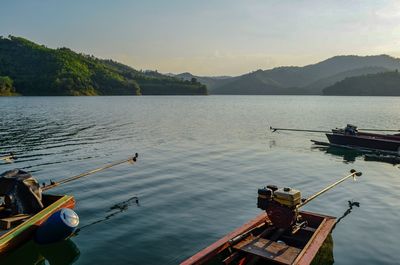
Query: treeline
x=381 y=84
x=6 y=86
x=27 y=68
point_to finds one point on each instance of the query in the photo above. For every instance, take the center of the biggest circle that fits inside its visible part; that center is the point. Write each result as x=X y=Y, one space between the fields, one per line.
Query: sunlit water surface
x=201 y=162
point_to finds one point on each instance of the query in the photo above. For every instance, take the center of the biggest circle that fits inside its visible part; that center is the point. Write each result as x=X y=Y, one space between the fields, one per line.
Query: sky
x=220 y=37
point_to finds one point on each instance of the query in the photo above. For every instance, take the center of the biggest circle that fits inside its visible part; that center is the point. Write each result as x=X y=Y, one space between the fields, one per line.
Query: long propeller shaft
x=93 y=171
x=296 y=130
x=322 y=131
x=353 y=174
x=380 y=130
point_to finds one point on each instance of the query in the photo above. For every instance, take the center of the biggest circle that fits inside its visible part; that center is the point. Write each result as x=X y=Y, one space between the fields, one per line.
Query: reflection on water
x=350 y=155
x=394 y=160
x=325 y=253
x=347 y=212
x=115 y=210
x=61 y=253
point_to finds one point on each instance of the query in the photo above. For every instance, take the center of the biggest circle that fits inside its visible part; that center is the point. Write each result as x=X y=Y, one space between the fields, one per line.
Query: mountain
x=310 y=79
x=210 y=81
x=318 y=86
x=34 y=69
x=381 y=84
x=255 y=83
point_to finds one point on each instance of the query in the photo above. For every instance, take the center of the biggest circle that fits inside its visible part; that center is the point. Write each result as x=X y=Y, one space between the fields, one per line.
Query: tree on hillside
x=6 y=86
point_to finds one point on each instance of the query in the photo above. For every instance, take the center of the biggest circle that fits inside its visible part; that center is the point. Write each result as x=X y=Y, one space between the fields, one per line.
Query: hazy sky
x=225 y=37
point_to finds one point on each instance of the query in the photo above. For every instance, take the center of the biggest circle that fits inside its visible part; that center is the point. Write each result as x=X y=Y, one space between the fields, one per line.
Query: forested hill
x=27 y=68
x=381 y=84
x=309 y=79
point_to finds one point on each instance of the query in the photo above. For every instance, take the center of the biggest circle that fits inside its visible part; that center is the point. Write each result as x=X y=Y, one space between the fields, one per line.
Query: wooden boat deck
x=299 y=249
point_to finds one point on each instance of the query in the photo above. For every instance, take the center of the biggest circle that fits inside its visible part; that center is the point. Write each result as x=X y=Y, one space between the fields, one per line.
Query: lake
x=201 y=161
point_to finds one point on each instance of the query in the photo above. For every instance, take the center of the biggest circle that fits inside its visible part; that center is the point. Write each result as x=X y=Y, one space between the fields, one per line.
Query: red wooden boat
x=254 y=243
x=281 y=235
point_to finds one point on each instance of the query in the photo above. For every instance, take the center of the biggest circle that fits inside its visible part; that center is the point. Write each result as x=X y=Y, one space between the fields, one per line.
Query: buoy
x=59 y=226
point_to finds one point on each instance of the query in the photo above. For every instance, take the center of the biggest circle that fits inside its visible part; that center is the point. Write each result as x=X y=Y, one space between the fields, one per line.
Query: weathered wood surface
x=8 y=222
x=271 y=250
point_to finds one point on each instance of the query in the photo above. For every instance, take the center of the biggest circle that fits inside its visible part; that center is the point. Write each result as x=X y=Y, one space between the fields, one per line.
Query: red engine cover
x=281 y=216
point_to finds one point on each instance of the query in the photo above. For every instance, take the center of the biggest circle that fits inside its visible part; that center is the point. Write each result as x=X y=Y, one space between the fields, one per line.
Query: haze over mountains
x=307 y=80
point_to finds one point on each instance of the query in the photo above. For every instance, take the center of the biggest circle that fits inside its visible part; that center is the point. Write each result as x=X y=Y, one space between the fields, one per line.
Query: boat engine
x=281 y=205
x=20 y=193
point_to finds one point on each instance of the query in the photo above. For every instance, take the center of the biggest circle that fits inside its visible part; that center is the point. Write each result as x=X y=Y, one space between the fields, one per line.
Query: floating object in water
x=8 y=158
x=283 y=234
x=59 y=226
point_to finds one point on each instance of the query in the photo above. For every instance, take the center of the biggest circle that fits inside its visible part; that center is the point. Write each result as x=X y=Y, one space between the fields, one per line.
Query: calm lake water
x=201 y=162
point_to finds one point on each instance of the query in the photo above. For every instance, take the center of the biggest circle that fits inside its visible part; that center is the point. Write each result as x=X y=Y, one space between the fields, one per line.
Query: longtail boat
x=21 y=228
x=361 y=139
x=27 y=213
x=281 y=235
x=257 y=242
x=351 y=137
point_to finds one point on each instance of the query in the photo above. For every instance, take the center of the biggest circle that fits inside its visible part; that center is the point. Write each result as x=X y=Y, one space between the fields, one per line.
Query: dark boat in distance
x=360 y=139
x=351 y=137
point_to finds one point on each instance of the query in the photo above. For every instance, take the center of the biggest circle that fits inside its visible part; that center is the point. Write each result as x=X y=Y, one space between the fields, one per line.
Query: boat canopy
x=20 y=193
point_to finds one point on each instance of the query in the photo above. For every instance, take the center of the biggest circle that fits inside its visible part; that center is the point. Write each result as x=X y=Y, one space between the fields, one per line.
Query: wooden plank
x=270 y=250
x=6 y=223
x=231 y=258
x=310 y=250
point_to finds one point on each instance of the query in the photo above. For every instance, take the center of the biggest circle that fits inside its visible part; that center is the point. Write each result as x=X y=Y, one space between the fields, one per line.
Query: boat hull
x=323 y=227
x=22 y=233
x=380 y=144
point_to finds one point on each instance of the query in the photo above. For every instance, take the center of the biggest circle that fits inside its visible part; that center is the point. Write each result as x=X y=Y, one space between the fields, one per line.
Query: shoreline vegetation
x=381 y=84
x=30 y=69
